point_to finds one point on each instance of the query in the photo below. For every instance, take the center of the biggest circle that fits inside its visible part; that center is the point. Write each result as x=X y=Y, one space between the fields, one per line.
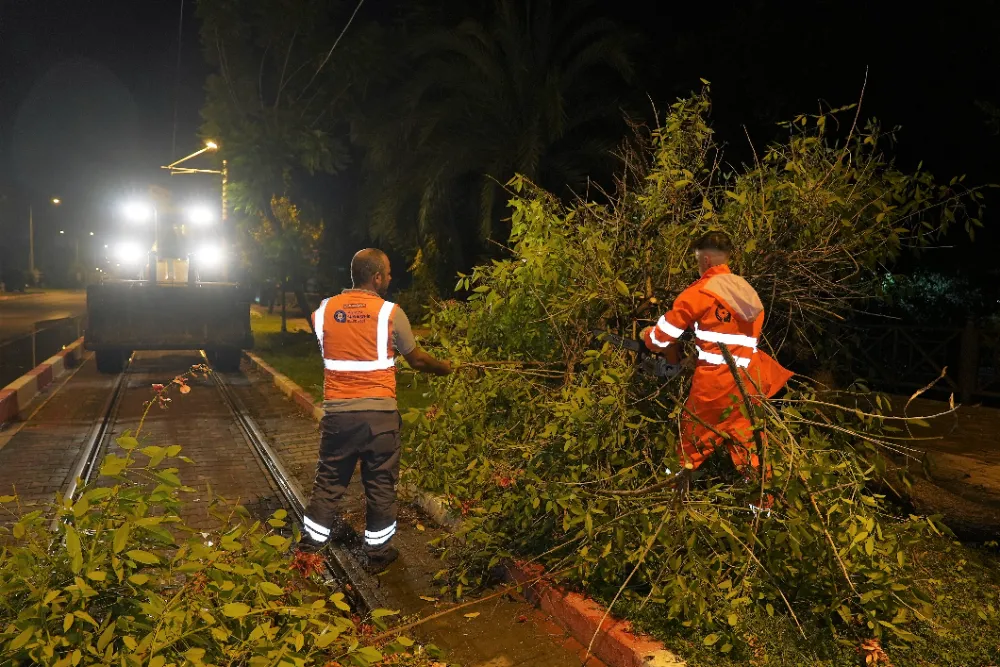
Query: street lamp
x=55 y=201
x=176 y=169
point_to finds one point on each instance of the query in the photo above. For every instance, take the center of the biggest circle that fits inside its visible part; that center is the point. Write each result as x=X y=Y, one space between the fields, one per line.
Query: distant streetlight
x=62 y=231
x=91 y=233
x=31 y=236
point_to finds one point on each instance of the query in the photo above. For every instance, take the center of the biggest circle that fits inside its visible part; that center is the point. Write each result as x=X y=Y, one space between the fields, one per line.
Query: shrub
x=125 y=582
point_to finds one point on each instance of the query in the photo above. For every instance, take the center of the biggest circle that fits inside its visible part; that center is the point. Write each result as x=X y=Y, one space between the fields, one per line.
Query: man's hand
x=419 y=360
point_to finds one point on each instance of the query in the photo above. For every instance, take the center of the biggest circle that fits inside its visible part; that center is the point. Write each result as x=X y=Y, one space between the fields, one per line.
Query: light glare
x=137 y=211
x=128 y=252
x=200 y=215
x=209 y=255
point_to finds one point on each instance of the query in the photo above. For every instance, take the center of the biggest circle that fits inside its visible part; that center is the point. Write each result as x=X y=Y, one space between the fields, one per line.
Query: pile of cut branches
x=556 y=449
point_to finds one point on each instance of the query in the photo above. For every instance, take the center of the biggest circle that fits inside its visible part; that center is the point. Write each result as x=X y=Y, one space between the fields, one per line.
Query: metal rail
x=90 y=454
x=341 y=565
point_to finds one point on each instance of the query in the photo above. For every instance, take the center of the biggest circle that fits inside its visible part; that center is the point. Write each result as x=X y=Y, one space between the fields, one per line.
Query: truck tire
x=225 y=360
x=110 y=362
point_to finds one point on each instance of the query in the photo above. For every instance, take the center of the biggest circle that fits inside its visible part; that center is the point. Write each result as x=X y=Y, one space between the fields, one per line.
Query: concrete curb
x=16 y=396
x=617 y=645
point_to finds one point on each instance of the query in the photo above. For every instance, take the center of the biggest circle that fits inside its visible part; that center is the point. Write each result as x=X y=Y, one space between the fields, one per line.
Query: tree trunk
x=300 y=296
x=284 y=310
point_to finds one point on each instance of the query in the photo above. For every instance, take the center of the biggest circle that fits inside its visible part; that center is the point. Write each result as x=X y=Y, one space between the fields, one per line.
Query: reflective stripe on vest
x=719 y=360
x=728 y=339
x=384 y=360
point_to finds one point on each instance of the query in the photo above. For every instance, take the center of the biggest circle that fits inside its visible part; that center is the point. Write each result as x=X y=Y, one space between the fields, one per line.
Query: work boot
x=378 y=561
x=308 y=545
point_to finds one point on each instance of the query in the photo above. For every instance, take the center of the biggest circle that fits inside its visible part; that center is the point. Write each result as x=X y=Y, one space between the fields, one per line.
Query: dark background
x=89 y=89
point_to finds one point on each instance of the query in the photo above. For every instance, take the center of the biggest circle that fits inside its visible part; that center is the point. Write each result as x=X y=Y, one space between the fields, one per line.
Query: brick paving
x=36 y=461
x=507 y=633
x=200 y=422
x=37 y=456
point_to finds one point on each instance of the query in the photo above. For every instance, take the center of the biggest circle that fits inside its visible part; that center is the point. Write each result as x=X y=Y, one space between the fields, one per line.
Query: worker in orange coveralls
x=721 y=308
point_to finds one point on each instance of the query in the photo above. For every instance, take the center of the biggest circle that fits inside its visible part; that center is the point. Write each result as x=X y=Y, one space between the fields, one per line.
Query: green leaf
x=127 y=442
x=370 y=654
x=22 y=638
x=382 y=613
x=621 y=287
x=236 y=610
x=328 y=637
x=143 y=557
x=97 y=575
x=271 y=589
x=120 y=539
x=711 y=639
x=276 y=541
x=68 y=622
x=139 y=579
x=73 y=549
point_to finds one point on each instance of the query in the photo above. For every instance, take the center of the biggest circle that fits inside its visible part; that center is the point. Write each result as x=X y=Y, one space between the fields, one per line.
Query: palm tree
x=531 y=90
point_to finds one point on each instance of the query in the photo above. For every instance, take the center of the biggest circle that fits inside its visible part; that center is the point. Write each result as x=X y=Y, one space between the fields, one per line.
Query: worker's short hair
x=366 y=263
x=715 y=241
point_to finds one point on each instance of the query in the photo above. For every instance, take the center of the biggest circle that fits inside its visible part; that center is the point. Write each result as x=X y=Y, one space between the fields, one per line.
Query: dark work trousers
x=346 y=437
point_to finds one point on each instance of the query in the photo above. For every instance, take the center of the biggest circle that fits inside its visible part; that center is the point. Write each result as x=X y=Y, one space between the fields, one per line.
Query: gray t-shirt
x=404 y=343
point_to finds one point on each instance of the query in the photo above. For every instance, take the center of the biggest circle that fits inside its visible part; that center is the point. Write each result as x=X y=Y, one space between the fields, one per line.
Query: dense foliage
x=555 y=448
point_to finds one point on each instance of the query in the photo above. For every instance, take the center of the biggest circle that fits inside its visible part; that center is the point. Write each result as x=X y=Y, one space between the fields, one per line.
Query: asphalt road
x=18 y=313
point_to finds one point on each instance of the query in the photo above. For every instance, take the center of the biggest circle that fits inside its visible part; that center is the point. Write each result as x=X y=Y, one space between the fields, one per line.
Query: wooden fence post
x=968 y=367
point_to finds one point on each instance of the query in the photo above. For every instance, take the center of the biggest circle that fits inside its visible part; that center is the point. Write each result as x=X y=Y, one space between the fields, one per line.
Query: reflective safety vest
x=354 y=331
x=721 y=308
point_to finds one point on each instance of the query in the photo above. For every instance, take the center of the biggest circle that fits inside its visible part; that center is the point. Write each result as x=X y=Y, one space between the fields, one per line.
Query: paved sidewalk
x=963 y=448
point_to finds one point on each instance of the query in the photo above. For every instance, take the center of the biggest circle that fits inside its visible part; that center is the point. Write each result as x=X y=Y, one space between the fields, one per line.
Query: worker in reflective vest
x=359 y=333
x=721 y=308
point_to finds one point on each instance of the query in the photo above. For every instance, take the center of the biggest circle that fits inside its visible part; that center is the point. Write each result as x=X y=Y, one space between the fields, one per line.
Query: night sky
x=88 y=89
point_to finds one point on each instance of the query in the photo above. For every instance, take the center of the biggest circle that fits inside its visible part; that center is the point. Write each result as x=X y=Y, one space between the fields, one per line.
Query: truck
x=159 y=299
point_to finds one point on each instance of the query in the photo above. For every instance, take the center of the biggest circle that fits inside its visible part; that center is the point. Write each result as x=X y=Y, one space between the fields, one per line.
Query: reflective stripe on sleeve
x=383 y=330
x=669 y=328
x=656 y=341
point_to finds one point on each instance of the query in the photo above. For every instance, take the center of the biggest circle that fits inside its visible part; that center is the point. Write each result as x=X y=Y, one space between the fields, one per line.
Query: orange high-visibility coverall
x=721 y=308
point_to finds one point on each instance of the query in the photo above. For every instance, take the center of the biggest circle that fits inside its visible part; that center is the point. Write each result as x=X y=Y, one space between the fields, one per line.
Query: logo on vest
x=722 y=314
x=340 y=316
